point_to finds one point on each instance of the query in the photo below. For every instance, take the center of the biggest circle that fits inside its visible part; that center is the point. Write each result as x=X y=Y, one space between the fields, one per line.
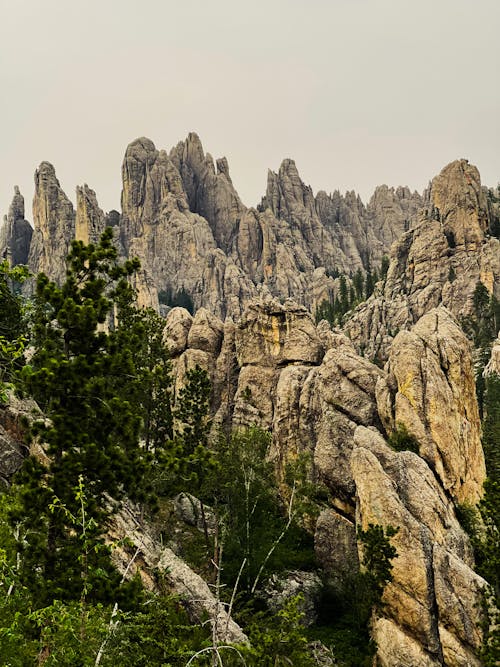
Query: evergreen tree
x=77 y=374
x=359 y=284
x=186 y=457
x=384 y=267
x=370 y=283
x=344 y=296
x=150 y=390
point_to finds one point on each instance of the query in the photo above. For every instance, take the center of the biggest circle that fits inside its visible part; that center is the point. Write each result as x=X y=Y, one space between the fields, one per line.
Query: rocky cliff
x=312 y=387
x=183 y=218
x=307 y=385
x=439 y=261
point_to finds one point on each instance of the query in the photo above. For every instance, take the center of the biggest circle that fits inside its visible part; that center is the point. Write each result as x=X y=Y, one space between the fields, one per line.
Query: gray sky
x=358 y=92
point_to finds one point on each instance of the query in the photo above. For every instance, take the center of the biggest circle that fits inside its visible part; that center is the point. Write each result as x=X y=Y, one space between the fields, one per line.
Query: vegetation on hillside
x=112 y=429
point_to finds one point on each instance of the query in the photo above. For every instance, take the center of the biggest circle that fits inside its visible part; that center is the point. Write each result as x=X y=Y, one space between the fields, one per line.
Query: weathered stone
x=439 y=260
x=15 y=233
x=15 y=415
x=138 y=552
x=335 y=545
x=188 y=509
x=54 y=222
x=493 y=365
x=205 y=332
x=90 y=220
x=428 y=592
x=270 y=333
x=175 y=334
x=430 y=389
x=279 y=590
x=397 y=649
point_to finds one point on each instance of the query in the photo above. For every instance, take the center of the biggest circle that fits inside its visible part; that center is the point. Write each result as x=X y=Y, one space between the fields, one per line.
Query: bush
x=401 y=440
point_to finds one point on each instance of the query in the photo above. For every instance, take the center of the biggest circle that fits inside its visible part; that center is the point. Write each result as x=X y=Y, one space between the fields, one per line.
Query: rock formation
x=439 y=261
x=313 y=388
x=16 y=232
x=309 y=387
x=54 y=223
x=430 y=367
x=431 y=614
x=90 y=220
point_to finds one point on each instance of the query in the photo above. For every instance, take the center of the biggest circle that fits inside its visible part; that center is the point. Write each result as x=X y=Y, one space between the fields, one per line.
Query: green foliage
x=384 y=267
x=483 y=326
x=343 y=621
x=483 y=523
x=493 y=196
x=78 y=374
x=70 y=633
x=12 y=326
x=150 y=389
x=401 y=440
x=378 y=553
x=359 y=284
x=11 y=305
x=280 y=639
x=159 y=633
x=256 y=528
x=186 y=457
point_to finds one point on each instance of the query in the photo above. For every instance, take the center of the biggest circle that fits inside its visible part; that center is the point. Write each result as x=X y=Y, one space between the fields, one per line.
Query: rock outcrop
x=54 y=223
x=139 y=552
x=439 y=261
x=430 y=390
x=90 y=220
x=307 y=385
x=493 y=365
x=176 y=247
x=431 y=610
x=16 y=232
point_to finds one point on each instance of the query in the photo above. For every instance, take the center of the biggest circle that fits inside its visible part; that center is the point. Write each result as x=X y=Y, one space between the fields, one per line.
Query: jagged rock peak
x=45 y=169
x=191 y=148
x=208 y=188
x=16 y=232
x=54 y=223
x=16 y=209
x=286 y=194
x=459 y=203
x=90 y=219
x=141 y=144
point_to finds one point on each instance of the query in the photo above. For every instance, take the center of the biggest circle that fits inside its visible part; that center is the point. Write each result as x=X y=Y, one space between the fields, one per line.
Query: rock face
x=176 y=246
x=314 y=393
x=431 y=612
x=439 y=261
x=429 y=368
x=183 y=218
x=493 y=365
x=54 y=222
x=16 y=232
x=145 y=555
x=90 y=220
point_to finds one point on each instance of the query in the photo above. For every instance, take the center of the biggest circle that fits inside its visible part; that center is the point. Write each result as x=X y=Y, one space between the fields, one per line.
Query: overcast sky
x=358 y=92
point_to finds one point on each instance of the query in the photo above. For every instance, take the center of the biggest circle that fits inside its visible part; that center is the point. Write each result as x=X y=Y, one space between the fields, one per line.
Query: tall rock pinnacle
x=16 y=232
x=54 y=222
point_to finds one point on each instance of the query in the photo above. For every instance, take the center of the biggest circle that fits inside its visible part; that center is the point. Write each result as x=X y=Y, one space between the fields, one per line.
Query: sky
x=357 y=92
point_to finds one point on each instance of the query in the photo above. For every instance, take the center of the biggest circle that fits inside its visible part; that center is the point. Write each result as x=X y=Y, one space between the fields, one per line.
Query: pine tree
x=151 y=389
x=78 y=374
